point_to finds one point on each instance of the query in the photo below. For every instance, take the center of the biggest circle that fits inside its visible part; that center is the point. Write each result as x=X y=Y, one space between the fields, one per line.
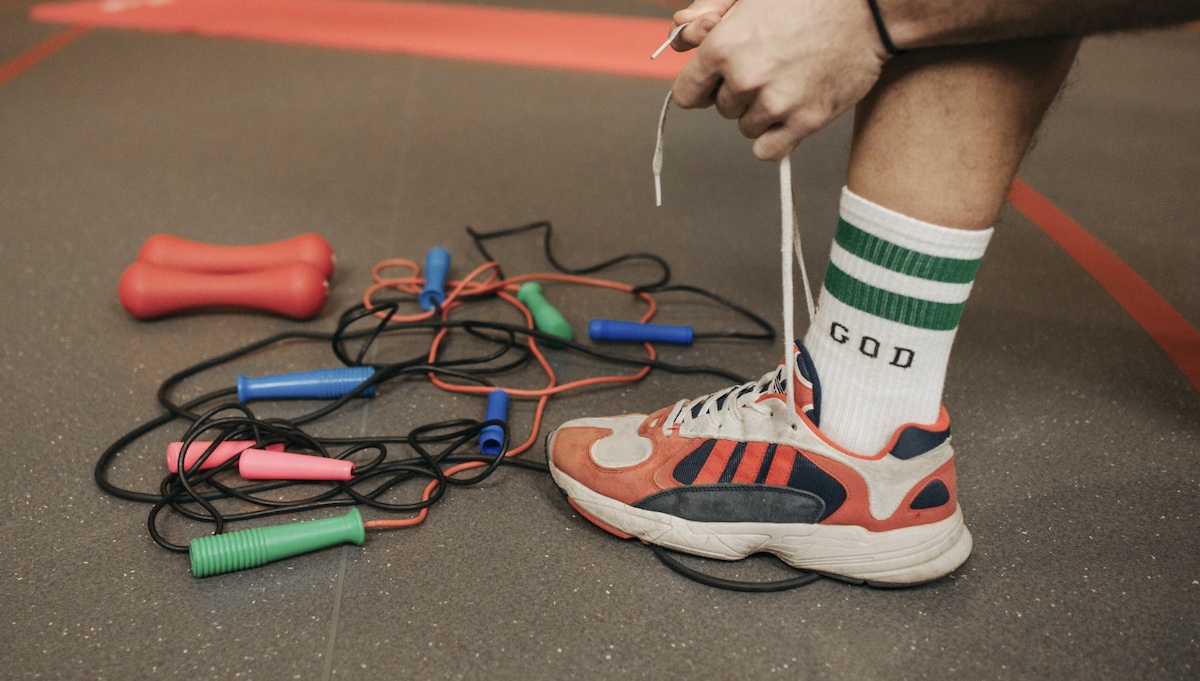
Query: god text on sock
x=870 y=347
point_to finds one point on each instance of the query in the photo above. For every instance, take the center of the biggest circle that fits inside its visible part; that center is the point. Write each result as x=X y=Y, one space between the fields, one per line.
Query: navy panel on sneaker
x=933 y=495
x=914 y=441
x=808 y=371
x=737 y=504
x=808 y=477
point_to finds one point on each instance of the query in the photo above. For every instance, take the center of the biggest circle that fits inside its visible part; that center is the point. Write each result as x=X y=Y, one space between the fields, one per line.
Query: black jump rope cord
x=197 y=494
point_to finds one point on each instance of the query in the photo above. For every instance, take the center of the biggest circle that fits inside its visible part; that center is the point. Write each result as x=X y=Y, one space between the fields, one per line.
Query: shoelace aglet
x=670 y=39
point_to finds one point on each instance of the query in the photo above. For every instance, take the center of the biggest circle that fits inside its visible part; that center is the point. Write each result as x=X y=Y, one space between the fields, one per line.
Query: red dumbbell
x=172 y=274
x=172 y=252
x=295 y=290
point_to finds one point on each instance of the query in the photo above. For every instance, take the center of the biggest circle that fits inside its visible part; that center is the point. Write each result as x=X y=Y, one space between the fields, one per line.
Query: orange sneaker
x=738 y=472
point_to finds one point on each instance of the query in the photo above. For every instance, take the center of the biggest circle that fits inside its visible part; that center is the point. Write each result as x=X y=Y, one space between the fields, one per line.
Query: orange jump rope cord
x=413 y=284
x=424 y=513
x=492 y=285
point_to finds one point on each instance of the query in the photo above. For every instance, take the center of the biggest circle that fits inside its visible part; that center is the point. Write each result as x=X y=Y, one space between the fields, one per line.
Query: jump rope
x=362 y=471
x=215 y=479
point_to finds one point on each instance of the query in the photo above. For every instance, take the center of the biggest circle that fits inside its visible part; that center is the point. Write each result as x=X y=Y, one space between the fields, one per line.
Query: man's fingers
x=779 y=141
x=695 y=32
x=730 y=104
x=699 y=8
x=758 y=118
x=696 y=85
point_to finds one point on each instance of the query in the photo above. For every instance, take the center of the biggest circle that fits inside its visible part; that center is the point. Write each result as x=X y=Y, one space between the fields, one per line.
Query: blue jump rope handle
x=437 y=266
x=491 y=438
x=322 y=384
x=617 y=330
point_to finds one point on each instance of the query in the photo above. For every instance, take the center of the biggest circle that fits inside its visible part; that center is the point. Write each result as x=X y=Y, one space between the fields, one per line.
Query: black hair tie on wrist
x=882 y=29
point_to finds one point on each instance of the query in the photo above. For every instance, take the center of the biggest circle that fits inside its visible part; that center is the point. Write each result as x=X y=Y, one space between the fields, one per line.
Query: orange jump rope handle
x=177 y=253
x=295 y=290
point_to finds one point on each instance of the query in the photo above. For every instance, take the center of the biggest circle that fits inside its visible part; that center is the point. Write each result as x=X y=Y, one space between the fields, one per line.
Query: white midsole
x=909 y=555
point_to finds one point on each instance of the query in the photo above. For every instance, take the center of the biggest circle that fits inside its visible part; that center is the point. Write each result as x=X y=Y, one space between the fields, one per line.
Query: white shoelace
x=718 y=402
x=727 y=403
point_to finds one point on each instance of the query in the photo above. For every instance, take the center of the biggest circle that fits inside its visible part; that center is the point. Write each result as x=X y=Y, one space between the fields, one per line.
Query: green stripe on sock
x=905 y=261
x=923 y=314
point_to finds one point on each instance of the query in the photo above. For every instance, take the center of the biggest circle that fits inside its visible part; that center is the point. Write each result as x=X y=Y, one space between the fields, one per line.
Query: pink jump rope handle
x=296 y=290
x=173 y=252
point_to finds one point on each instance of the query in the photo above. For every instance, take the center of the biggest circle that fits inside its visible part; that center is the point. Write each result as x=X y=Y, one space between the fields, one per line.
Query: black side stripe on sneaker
x=689 y=468
x=765 y=468
x=735 y=504
x=731 y=466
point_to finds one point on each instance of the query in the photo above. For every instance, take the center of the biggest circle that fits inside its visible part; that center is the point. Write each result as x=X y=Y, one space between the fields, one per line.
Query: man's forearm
x=930 y=23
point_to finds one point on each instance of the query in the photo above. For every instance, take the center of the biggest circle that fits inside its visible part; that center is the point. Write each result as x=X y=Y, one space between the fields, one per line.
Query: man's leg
x=735 y=473
x=936 y=145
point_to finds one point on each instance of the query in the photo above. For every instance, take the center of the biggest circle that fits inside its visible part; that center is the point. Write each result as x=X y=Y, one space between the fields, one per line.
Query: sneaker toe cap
x=608 y=443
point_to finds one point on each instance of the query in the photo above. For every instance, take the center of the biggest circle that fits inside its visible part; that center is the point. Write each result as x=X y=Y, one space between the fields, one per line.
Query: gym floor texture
x=1073 y=387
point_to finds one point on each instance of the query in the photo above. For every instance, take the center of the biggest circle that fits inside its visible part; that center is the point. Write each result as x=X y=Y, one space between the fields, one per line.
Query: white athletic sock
x=886 y=318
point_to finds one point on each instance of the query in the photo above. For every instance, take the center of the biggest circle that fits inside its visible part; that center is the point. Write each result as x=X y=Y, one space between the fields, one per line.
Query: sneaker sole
x=902 y=557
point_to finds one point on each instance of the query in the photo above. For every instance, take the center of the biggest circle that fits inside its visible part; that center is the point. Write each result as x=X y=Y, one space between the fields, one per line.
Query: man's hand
x=782 y=68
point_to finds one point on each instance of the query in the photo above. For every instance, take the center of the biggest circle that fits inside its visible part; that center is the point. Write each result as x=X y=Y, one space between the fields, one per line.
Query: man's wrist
x=914 y=24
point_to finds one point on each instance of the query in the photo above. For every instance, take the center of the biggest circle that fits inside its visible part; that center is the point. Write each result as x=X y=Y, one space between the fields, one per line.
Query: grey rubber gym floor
x=1078 y=438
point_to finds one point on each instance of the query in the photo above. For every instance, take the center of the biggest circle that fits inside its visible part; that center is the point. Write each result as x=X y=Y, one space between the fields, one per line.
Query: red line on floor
x=559 y=40
x=39 y=52
x=1173 y=333
x=673 y=5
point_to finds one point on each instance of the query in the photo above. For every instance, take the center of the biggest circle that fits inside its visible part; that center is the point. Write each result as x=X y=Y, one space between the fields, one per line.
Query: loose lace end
x=662 y=121
x=670 y=39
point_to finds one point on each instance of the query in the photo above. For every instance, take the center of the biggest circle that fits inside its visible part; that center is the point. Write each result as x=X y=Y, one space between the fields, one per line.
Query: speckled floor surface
x=1078 y=437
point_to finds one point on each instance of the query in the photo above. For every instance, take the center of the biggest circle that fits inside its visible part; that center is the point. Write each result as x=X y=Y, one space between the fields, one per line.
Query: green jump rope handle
x=220 y=553
x=545 y=317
